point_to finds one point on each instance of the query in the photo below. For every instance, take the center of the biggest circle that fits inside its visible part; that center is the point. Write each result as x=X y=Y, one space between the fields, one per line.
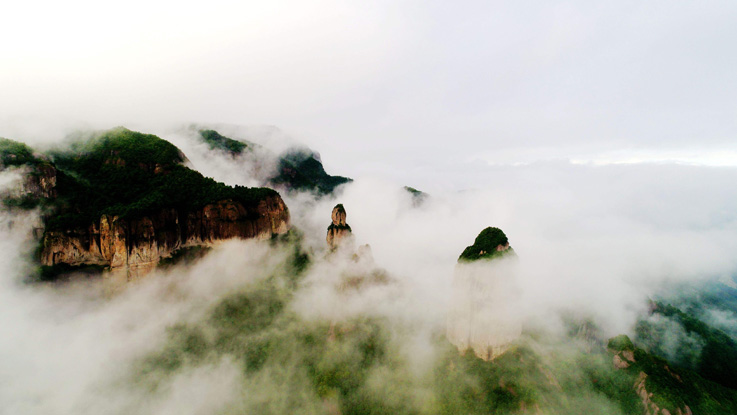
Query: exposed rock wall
x=137 y=245
x=41 y=182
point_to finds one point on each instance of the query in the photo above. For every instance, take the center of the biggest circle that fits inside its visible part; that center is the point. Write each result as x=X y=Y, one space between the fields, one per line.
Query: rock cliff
x=41 y=182
x=339 y=232
x=125 y=200
x=40 y=177
x=137 y=245
x=483 y=315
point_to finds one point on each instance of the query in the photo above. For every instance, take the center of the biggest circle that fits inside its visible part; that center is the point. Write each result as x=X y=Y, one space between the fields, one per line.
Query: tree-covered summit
x=485 y=246
x=121 y=145
x=216 y=141
x=301 y=169
x=129 y=174
x=297 y=168
x=15 y=153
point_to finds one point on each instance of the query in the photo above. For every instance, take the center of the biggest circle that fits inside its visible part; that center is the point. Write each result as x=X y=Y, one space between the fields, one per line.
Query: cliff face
x=483 y=315
x=41 y=182
x=125 y=200
x=137 y=245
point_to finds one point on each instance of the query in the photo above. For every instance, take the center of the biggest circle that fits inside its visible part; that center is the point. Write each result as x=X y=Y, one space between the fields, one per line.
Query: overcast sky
x=387 y=87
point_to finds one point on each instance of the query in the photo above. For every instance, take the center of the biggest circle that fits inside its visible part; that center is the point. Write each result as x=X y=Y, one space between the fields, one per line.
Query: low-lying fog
x=596 y=241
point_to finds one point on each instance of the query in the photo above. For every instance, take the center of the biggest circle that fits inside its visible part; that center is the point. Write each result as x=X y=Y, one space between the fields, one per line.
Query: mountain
x=484 y=315
x=39 y=182
x=297 y=169
x=126 y=202
x=689 y=343
x=418 y=197
x=665 y=389
x=489 y=244
x=123 y=200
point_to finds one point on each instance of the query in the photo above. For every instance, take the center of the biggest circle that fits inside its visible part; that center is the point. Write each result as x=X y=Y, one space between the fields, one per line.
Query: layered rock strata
x=137 y=245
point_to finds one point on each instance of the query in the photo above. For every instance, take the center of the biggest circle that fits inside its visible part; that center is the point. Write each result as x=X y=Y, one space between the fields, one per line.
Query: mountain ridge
x=124 y=200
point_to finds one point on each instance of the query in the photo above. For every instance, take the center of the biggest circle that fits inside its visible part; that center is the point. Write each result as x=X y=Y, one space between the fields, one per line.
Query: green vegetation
x=220 y=142
x=413 y=191
x=54 y=272
x=120 y=144
x=300 y=170
x=297 y=169
x=418 y=197
x=356 y=366
x=294 y=365
x=24 y=202
x=485 y=246
x=14 y=153
x=673 y=388
x=322 y=361
x=558 y=380
x=185 y=256
x=701 y=298
x=620 y=343
x=717 y=360
x=299 y=260
x=185 y=345
x=130 y=174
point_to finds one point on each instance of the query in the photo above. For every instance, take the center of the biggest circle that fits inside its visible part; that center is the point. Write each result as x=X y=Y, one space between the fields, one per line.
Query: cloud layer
x=392 y=89
x=593 y=242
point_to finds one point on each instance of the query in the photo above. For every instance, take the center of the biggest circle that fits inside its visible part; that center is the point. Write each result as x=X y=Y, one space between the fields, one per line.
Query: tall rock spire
x=339 y=231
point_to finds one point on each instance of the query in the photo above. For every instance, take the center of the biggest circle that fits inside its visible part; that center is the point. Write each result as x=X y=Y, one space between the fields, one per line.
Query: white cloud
x=377 y=87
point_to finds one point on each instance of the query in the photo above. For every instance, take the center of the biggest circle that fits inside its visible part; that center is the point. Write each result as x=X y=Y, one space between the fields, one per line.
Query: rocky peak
x=338 y=215
x=339 y=231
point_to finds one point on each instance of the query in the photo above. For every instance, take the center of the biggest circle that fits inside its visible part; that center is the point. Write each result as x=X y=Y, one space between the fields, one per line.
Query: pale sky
x=390 y=88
